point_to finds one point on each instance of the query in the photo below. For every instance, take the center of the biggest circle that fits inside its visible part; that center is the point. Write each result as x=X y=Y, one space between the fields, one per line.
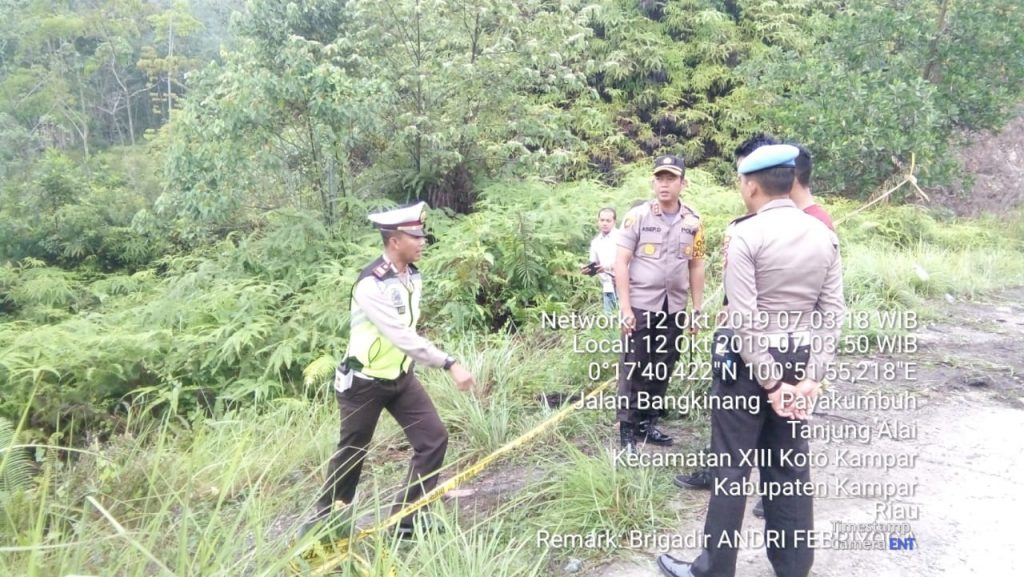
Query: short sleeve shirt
x=602 y=251
x=660 y=267
x=820 y=214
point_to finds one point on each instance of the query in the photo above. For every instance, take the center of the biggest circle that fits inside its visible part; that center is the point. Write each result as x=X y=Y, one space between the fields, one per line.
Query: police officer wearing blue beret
x=784 y=282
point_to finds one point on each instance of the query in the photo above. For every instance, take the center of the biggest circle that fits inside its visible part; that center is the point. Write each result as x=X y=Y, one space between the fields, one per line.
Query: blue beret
x=769 y=156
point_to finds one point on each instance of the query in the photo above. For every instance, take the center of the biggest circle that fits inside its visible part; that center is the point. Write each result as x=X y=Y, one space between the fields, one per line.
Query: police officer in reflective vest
x=783 y=277
x=659 y=265
x=377 y=372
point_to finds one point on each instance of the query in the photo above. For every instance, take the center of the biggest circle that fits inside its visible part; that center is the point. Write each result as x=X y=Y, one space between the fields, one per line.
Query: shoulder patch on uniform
x=371 y=270
x=699 y=244
x=635 y=215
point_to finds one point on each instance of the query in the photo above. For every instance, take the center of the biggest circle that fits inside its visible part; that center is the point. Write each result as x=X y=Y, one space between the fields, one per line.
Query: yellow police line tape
x=342 y=548
x=908 y=178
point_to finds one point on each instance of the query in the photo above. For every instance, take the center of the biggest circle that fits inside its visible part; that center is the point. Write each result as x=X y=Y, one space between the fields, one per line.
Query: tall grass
x=221 y=492
x=217 y=499
x=596 y=493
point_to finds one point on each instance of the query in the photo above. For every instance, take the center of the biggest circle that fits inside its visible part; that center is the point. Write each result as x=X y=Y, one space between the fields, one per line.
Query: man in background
x=801 y=193
x=602 y=257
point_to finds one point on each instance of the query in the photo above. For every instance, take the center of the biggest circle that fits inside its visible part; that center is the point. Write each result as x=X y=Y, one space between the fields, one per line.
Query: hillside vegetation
x=183 y=192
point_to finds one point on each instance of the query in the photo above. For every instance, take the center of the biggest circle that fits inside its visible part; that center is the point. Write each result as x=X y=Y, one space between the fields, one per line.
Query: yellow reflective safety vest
x=370 y=352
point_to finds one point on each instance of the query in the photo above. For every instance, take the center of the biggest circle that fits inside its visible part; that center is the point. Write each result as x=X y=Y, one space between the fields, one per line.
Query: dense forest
x=184 y=185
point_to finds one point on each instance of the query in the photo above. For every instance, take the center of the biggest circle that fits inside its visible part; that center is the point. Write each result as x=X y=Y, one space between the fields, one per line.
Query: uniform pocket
x=650 y=250
x=685 y=249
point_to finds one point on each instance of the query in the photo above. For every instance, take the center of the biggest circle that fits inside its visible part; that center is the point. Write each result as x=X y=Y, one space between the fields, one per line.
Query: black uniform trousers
x=788 y=519
x=651 y=353
x=360 y=406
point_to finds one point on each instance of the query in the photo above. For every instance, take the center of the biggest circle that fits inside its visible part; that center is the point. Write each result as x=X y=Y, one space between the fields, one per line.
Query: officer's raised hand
x=464 y=380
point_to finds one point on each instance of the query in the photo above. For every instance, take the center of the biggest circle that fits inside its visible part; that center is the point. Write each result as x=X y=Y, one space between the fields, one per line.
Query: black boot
x=626 y=439
x=701 y=479
x=758 y=509
x=650 y=434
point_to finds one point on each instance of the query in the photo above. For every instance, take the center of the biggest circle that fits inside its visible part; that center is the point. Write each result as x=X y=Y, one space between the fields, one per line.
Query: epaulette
x=382 y=270
x=690 y=209
x=742 y=218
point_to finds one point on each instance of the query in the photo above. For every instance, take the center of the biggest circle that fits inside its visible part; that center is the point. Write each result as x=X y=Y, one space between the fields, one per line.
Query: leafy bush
x=265 y=315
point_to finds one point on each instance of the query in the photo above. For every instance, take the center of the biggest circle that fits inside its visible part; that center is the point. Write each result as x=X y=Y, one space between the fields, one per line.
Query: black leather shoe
x=673 y=567
x=758 y=509
x=328 y=524
x=407 y=529
x=649 y=433
x=700 y=480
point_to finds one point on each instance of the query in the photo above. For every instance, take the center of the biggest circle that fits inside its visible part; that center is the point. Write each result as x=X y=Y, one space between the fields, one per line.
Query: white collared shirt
x=602 y=251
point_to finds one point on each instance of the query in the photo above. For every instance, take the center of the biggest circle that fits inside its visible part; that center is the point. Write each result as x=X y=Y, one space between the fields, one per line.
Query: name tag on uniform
x=398 y=301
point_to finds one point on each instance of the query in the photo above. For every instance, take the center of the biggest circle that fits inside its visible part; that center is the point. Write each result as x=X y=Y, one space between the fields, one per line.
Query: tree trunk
x=83 y=132
x=170 y=62
x=932 y=60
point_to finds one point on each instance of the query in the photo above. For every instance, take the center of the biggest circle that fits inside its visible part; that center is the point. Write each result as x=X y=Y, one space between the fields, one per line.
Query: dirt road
x=958 y=465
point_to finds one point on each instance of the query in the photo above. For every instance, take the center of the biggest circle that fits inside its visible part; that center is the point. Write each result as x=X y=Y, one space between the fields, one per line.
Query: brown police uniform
x=659 y=282
x=377 y=374
x=784 y=282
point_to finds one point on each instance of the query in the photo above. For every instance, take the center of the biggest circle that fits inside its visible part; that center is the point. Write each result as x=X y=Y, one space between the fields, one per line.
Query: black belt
x=393 y=381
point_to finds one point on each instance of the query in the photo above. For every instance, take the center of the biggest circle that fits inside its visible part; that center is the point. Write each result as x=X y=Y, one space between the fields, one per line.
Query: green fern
x=320 y=370
x=15 y=466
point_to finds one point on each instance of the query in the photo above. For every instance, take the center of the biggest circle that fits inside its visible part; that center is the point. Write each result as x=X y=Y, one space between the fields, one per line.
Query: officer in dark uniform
x=658 y=267
x=801 y=196
x=784 y=281
x=377 y=373
x=701 y=478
